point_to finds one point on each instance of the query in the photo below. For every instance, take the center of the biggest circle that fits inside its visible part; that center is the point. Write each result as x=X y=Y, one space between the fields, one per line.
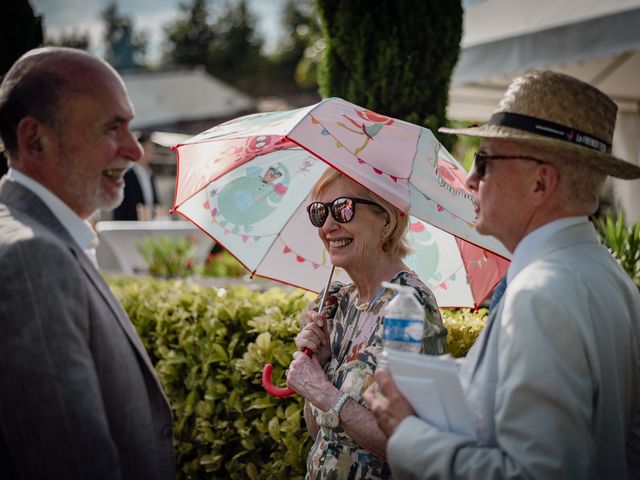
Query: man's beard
x=88 y=192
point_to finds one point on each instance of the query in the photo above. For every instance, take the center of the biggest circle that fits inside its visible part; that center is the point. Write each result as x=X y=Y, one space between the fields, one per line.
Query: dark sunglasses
x=342 y=210
x=480 y=160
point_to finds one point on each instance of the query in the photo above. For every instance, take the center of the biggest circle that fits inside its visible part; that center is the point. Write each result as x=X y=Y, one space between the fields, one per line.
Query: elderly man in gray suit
x=79 y=398
x=553 y=381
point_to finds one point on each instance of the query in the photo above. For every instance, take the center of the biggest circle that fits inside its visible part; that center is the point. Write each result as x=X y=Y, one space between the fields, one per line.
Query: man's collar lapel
x=24 y=200
x=20 y=198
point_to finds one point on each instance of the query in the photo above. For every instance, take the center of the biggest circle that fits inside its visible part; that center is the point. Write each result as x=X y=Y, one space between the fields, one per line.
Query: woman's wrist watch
x=331 y=418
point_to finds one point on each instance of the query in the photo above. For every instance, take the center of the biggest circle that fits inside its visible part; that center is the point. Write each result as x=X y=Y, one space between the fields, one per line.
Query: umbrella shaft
x=326 y=289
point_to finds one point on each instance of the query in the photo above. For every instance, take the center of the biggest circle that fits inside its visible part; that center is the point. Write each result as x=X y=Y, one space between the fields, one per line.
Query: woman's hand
x=306 y=376
x=315 y=336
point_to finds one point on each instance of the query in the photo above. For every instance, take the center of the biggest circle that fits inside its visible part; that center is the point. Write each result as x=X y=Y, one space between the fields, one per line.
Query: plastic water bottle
x=403 y=323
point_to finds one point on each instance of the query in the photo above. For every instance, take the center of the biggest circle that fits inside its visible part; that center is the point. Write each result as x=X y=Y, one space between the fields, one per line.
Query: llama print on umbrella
x=249 y=199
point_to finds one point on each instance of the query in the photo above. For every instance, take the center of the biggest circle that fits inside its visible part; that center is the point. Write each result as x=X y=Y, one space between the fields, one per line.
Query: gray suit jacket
x=553 y=381
x=78 y=395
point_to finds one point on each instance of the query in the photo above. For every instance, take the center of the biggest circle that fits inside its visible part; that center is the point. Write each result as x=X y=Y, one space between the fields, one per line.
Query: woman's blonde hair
x=394 y=242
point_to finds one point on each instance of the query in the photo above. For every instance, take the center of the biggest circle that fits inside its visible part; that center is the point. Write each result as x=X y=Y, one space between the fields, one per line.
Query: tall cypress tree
x=392 y=56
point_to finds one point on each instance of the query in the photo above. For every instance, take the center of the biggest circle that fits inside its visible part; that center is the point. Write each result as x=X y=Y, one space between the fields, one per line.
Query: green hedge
x=209 y=346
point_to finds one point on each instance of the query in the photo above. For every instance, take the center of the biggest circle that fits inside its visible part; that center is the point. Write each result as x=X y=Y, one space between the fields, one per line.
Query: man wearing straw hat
x=553 y=382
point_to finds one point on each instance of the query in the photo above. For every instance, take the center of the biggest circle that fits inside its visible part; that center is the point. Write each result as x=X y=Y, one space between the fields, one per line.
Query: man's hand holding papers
x=421 y=385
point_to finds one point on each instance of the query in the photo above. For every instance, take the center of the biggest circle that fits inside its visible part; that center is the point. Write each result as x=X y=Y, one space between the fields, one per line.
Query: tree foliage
x=223 y=38
x=124 y=47
x=72 y=39
x=228 y=45
x=20 y=30
x=392 y=56
x=189 y=38
x=297 y=53
x=235 y=53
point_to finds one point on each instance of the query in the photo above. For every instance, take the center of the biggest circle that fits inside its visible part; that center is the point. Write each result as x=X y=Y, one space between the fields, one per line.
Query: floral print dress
x=356 y=341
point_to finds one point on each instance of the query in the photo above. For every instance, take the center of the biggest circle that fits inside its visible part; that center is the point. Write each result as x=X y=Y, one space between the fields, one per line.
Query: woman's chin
x=339 y=260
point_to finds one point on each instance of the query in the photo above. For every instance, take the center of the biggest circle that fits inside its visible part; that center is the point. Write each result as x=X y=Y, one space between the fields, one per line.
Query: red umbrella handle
x=272 y=389
x=266 y=371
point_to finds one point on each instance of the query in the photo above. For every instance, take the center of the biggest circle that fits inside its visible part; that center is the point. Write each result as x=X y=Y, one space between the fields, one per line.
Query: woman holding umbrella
x=346 y=336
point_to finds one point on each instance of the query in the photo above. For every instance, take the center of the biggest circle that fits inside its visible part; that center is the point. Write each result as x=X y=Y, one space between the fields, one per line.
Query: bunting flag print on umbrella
x=246 y=183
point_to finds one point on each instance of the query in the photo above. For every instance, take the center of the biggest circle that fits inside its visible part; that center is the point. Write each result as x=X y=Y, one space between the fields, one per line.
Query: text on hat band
x=548 y=129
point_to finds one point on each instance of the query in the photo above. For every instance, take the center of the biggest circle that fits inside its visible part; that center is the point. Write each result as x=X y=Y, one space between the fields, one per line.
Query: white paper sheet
x=432 y=386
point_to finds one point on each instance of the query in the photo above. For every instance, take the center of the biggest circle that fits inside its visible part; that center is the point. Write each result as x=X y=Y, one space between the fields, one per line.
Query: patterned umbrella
x=246 y=183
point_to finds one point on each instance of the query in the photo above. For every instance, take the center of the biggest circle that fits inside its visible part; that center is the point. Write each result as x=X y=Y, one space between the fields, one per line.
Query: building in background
x=597 y=41
x=177 y=104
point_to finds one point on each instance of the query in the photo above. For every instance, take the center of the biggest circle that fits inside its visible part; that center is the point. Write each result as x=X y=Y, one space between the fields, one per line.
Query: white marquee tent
x=597 y=41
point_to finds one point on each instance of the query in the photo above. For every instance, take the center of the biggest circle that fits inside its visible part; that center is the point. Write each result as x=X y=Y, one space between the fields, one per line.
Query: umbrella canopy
x=459 y=273
x=247 y=182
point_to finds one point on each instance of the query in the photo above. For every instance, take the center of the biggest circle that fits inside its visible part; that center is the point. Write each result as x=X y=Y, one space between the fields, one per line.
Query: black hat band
x=549 y=129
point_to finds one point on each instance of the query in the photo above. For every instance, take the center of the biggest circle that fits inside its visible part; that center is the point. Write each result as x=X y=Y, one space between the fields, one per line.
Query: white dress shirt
x=79 y=229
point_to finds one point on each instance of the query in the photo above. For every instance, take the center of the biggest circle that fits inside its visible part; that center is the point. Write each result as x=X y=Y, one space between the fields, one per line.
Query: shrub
x=209 y=346
x=168 y=258
x=174 y=258
x=623 y=242
x=464 y=326
x=223 y=264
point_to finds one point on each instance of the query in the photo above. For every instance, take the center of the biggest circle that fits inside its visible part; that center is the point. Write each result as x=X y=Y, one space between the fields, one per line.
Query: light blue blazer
x=553 y=381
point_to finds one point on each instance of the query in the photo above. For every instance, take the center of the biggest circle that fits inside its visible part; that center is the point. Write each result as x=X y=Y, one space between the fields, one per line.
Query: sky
x=148 y=15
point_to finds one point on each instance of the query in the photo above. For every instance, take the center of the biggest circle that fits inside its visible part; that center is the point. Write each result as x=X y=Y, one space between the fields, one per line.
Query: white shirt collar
x=529 y=247
x=79 y=229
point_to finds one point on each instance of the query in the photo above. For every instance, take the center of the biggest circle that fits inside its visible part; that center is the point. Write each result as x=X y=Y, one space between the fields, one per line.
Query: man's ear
x=546 y=183
x=30 y=135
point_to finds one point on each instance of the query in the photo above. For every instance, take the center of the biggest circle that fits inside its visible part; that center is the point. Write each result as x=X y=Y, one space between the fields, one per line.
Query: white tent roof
x=161 y=98
x=492 y=20
x=597 y=41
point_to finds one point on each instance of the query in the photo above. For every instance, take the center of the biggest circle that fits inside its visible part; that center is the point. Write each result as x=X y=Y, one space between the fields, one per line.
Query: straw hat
x=561 y=114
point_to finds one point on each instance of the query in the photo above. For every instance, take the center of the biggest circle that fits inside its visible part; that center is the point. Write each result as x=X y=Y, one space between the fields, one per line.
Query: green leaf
x=252 y=471
x=261 y=402
x=274 y=429
x=264 y=341
x=219 y=354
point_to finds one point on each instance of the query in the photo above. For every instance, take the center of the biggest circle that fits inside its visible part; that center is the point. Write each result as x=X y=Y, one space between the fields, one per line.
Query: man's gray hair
x=579 y=185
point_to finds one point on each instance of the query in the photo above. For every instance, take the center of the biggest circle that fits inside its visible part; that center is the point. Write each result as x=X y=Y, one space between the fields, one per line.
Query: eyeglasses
x=480 y=160
x=342 y=209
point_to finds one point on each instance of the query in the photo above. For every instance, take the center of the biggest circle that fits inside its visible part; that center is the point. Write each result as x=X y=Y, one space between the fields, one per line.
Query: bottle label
x=403 y=330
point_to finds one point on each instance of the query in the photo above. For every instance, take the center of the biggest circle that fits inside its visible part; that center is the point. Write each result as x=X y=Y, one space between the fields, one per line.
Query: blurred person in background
x=140 y=196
